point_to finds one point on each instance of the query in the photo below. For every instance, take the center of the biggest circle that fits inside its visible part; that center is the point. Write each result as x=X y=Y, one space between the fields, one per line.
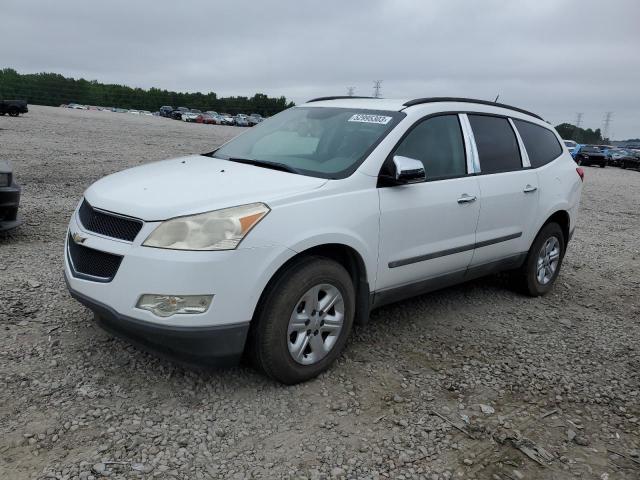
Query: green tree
x=580 y=135
x=54 y=89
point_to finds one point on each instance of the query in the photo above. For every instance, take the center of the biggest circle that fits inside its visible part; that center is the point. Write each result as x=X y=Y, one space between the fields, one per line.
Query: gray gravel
x=556 y=378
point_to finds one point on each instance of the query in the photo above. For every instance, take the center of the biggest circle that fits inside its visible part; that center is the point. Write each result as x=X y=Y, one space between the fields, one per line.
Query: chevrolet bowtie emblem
x=78 y=238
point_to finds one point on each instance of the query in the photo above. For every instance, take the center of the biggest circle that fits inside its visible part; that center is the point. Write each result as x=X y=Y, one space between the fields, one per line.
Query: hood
x=194 y=184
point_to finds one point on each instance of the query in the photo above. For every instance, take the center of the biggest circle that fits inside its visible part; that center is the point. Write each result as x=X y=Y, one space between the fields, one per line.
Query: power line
x=377 y=85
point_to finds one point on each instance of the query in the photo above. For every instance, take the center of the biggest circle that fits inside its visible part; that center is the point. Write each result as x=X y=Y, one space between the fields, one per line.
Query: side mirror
x=408 y=170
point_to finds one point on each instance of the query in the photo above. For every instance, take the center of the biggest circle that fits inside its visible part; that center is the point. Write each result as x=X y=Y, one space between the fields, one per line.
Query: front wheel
x=303 y=323
x=542 y=266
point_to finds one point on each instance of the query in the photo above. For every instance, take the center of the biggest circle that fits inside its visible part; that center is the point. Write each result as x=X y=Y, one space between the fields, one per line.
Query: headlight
x=4 y=179
x=217 y=230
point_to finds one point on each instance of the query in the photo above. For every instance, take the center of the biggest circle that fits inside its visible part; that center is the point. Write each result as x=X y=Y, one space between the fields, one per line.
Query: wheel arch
x=562 y=218
x=345 y=255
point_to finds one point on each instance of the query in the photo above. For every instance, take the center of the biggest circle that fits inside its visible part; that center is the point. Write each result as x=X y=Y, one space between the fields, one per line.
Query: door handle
x=467 y=198
x=530 y=189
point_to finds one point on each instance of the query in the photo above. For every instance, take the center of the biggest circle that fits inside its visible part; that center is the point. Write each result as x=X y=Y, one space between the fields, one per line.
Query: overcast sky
x=554 y=57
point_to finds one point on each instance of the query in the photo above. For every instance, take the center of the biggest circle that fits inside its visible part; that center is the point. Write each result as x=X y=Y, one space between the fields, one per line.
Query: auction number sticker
x=364 y=118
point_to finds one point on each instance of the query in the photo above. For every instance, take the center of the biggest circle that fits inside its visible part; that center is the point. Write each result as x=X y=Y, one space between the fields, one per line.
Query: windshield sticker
x=362 y=118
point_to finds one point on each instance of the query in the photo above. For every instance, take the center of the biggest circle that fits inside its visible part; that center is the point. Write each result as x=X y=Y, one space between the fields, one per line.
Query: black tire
x=14 y=112
x=528 y=279
x=602 y=165
x=2 y=114
x=268 y=340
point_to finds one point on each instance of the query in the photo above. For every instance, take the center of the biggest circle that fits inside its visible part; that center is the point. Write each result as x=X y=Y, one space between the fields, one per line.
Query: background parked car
x=255 y=118
x=165 y=111
x=191 y=116
x=590 y=155
x=631 y=159
x=207 y=118
x=227 y=119
x=9 y=198
x=615 y=155
x=13 y=107
x=571 y=145
x=241 y=120
x=177 y=113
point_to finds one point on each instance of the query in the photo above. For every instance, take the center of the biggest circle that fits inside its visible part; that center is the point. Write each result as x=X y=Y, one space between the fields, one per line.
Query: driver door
x=427 y=230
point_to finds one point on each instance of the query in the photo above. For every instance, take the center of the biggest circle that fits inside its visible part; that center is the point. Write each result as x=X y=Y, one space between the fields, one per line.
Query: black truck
x=13 y=107
x=9 y=198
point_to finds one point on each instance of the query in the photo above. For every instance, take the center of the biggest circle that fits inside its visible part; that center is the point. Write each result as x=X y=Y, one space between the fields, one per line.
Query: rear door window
x=541 y=143
x=496 y=143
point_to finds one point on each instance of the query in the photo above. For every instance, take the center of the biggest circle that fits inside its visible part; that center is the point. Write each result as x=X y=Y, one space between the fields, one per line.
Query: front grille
x=85 y=261
x=107 y=224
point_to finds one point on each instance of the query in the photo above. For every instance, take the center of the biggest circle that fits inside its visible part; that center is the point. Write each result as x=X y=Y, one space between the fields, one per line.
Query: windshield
x=322 y=142
x=590 y=149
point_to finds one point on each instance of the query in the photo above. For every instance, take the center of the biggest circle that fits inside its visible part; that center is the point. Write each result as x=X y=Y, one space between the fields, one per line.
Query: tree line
x=580 y=135
x=54 y=89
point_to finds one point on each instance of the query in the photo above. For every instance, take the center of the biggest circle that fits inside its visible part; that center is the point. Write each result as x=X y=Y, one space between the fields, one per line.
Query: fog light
x=167 y=305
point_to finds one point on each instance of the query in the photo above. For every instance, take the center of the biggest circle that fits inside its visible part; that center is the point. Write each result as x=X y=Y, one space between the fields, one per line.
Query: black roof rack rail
x=336 y=97
x=418 y=101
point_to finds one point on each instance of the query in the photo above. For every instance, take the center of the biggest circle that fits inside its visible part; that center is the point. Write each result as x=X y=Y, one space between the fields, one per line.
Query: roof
x=400 y=104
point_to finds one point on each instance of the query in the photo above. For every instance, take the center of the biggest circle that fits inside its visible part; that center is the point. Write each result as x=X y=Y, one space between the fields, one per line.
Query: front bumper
x=9 y=203
x=235 y=278
x=210 y=346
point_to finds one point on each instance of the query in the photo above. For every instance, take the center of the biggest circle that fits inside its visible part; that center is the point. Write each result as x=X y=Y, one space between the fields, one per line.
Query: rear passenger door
x=508 y=190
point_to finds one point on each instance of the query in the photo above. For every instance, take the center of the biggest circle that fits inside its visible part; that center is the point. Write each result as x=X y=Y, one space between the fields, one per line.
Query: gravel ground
x=474 y=381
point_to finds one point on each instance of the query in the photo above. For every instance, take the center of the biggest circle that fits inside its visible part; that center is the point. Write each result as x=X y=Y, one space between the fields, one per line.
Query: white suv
x=277 y=242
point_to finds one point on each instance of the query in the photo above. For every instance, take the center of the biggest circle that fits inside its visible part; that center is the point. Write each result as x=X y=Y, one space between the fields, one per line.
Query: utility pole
x=351 y=91
x=377 y=84
x=606 y=124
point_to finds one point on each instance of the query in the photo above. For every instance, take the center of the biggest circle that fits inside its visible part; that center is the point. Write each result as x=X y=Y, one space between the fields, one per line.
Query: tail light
x=580 y=173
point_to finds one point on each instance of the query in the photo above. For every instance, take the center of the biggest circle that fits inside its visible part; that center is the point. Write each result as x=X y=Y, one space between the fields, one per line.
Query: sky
x=554 y=57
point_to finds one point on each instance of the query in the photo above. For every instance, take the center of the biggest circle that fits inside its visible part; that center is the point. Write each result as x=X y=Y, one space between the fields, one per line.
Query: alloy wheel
x=315 y=324
x=548 y=259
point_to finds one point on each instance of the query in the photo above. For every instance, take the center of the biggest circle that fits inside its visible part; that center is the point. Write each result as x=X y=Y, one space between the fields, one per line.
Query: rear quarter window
x=541 y=143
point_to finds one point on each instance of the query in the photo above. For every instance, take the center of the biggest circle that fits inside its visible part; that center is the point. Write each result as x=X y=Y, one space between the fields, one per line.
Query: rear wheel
x=14 y=112
x=303 y=323
x=542 y=266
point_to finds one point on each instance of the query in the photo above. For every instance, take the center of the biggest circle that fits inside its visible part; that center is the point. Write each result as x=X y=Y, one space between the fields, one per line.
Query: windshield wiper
x=266 y=164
